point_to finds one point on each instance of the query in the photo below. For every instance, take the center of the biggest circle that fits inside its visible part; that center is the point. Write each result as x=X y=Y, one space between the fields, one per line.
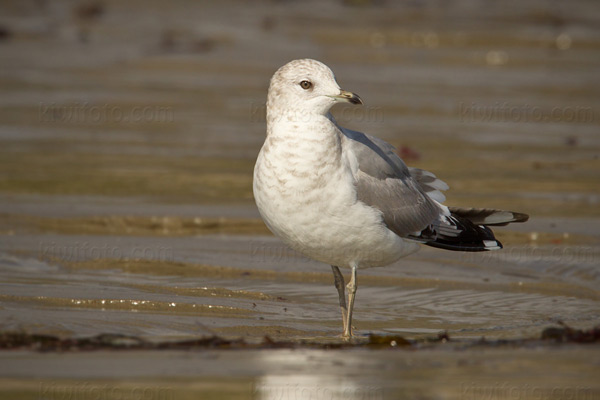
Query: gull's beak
x=349 y=97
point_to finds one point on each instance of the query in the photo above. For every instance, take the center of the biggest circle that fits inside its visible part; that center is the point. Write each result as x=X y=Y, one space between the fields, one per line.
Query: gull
x=346 y=198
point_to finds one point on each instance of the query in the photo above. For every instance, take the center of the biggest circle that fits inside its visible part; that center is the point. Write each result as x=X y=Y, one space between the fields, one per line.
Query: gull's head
x=306 y=86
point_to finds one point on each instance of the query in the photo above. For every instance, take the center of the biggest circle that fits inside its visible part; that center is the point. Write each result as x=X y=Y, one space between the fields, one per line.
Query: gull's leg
x=338 y=281
x=352 y=286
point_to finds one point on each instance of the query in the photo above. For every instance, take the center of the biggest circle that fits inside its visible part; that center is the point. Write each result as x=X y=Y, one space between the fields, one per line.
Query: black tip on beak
x=350 y=97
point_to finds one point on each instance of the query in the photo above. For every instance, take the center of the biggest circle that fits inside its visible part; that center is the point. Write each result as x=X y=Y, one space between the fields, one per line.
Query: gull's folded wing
x=410 y=200
x=384 y=182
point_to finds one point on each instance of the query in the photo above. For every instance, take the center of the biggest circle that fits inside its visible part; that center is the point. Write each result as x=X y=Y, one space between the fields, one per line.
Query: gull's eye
x=306 y=85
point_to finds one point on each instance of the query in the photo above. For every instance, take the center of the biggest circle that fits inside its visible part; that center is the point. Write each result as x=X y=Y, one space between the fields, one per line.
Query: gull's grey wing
x=430 y=184
x=383 y=181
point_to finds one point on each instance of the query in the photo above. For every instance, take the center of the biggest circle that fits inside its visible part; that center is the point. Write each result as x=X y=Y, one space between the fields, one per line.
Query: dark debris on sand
x=50 y=343
x=566 y=334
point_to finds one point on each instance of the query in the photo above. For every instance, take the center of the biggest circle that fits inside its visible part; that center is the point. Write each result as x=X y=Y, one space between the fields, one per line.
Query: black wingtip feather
x=463 y=236
x=469 y=247
x=520 y=217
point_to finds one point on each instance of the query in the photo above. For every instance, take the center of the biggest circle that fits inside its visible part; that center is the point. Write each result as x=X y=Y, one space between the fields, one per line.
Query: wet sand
x=305 y=374
x=128 y=136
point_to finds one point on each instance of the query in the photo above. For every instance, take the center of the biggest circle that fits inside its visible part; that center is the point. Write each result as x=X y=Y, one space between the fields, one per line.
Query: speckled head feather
x=296 y=71
x=287 y=95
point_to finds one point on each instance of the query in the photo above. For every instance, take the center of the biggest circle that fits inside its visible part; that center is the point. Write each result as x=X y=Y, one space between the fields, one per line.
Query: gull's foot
x=347 y=336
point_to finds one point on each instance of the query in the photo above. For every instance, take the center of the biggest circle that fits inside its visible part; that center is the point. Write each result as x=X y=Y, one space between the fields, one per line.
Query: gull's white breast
x=304 y=189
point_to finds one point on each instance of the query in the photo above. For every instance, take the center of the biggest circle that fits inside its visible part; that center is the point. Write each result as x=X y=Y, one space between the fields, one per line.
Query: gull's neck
x=303 y=139
x=298 y=122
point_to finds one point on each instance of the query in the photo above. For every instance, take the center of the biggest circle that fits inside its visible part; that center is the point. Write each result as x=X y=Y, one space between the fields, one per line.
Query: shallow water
x=161 y=284
x=127 y=139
